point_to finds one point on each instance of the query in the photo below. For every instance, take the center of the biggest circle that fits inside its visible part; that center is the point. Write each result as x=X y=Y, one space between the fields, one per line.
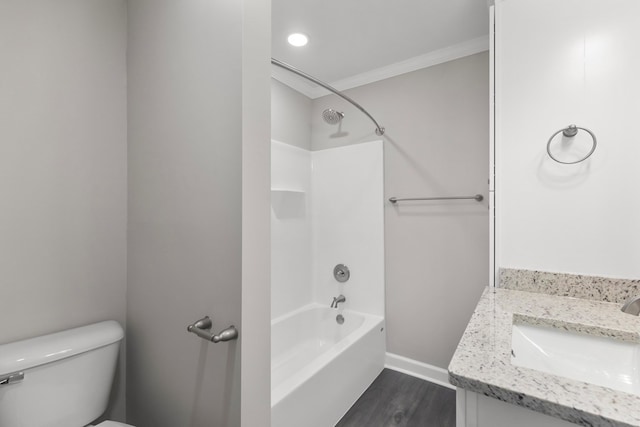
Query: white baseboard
x=417 y=369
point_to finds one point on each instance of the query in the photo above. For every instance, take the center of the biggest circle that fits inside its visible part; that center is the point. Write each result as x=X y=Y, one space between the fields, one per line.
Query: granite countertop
x=482 y=361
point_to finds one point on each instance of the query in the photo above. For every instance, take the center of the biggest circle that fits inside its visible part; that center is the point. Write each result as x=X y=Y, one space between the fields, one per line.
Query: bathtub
x=319 y=368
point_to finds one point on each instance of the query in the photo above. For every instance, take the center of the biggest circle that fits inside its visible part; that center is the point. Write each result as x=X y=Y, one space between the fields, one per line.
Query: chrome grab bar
x=477 y=198
x=202 y=328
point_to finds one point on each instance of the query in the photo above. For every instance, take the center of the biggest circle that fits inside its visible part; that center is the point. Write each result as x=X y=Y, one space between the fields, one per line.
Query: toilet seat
x=112 y=424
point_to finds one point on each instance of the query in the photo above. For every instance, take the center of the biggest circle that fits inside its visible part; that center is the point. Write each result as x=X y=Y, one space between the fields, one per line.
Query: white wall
x=436 y=144
x=185 y=62
x=327 y=209
x=290 y=116
x=63 y=117
x=562 y=62
x=198 y=212
x=348 y=225
x=255 y=395
x=291 y=268
x=63 y=167
x=291 y=261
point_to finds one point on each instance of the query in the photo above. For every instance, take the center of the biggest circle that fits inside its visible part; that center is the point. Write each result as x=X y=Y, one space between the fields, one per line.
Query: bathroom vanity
x=549 y=350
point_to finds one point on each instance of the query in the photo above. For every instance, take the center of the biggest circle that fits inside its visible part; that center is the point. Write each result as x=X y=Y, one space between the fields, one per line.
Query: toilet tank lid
x=21 y=355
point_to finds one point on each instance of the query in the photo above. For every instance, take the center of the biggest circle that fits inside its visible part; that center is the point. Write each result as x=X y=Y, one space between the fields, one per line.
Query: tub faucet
x=337 y=300
x=632 y=306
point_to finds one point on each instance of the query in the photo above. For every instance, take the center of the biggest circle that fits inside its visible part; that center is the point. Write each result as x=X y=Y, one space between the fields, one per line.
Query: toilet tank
x=67 y=377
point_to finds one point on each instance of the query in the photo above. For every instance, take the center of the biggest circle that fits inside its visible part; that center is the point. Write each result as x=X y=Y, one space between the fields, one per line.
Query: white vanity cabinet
x=476 y=410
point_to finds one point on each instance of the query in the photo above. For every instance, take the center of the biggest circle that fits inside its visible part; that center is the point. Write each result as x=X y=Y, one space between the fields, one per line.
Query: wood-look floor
x=398 y=400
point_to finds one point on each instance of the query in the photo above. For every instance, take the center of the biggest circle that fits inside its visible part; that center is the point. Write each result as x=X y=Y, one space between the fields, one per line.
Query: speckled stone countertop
x=482 y=361
x=569 y=285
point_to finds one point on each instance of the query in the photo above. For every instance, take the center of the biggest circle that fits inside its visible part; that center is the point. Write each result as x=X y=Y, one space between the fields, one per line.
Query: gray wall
x=185 y=210
x=290 y=116
x=63 y=160
x=437 y=143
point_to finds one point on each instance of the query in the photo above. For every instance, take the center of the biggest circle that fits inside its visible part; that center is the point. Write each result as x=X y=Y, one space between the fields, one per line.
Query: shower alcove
x=327 y=209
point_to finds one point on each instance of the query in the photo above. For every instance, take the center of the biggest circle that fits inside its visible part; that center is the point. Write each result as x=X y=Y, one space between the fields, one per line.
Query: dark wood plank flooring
x=398 y=400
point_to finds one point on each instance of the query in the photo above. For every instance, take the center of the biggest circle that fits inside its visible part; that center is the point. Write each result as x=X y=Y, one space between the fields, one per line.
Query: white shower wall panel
x=348 y=225
x=562 y=62
x=291 y=265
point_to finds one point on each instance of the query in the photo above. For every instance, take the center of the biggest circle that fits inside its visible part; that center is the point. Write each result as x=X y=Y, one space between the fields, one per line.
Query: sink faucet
x=632 y=306
x=337 y=300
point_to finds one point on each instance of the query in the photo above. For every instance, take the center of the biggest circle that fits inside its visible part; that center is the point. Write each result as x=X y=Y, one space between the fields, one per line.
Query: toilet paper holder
x=202 y=328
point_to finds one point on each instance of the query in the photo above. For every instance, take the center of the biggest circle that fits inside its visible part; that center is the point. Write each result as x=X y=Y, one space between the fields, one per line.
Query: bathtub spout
x=337 y=300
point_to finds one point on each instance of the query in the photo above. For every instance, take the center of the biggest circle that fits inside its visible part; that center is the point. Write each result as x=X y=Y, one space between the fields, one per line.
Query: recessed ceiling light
x=297 y=39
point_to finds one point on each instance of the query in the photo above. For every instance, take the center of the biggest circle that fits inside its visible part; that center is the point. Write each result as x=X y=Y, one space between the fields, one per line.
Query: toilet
x=60 y=380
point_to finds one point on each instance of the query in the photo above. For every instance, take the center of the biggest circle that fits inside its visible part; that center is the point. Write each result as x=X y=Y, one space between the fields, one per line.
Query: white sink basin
x=597 y=360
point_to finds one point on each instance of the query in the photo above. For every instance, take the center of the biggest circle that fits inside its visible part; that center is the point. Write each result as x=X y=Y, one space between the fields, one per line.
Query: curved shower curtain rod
x=379 y=129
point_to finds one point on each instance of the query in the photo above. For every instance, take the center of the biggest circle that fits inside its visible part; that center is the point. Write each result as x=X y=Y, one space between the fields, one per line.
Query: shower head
x=332 y=116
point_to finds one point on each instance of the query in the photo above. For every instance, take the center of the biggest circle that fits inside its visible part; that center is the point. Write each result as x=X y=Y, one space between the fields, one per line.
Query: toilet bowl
x=69 y=374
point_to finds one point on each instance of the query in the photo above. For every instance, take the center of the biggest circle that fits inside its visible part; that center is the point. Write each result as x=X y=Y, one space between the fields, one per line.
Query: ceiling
x=352 y=42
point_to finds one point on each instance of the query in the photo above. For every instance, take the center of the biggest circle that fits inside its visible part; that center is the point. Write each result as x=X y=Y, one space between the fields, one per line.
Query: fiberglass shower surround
x=325 y=213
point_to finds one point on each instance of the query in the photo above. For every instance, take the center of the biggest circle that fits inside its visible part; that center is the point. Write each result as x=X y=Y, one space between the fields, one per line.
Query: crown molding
x=293 y=81
x=460 y=50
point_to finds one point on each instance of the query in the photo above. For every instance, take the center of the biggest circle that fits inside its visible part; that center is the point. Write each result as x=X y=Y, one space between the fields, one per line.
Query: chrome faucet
x=337 y=300
x=632 y=306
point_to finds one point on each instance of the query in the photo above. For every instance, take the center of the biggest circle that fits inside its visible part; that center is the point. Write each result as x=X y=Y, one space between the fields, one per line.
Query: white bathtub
x=320 y=368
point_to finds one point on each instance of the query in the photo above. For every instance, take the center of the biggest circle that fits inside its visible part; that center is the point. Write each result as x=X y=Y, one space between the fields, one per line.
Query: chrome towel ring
x=570 y=132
